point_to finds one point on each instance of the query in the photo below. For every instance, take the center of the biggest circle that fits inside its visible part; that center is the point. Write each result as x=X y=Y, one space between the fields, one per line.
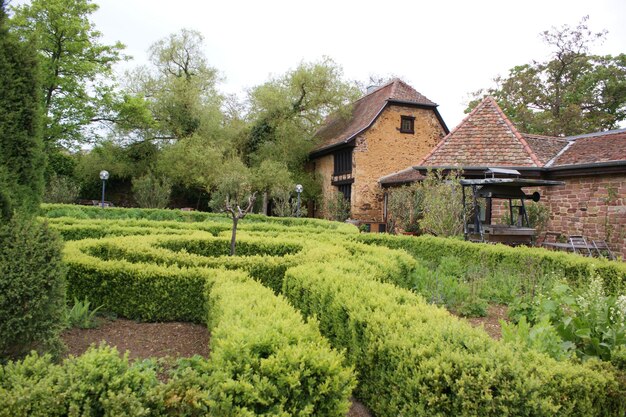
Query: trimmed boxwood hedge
x=574 y=268
x=412 y=358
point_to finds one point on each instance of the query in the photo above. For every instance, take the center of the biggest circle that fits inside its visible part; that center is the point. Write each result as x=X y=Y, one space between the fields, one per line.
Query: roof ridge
x=515 y=132
x=559 y=153
x=445 y=138
x=394 y=87
x=595 y=134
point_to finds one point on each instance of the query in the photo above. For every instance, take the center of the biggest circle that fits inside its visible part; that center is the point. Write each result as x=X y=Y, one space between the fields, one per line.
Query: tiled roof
x=405 y=176
x=545 y=147
x=338 y=129
x=486 y=137
x=594 y=148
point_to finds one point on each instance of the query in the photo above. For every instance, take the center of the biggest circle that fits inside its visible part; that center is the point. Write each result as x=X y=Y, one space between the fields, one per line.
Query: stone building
x=387 y=129
x=592 y=203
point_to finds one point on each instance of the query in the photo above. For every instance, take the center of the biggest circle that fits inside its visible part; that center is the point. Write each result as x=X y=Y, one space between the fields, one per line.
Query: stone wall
x=591 y=206
x=382 y=150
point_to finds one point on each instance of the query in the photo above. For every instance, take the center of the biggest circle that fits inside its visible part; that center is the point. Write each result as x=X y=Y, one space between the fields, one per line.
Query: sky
x=444 y=49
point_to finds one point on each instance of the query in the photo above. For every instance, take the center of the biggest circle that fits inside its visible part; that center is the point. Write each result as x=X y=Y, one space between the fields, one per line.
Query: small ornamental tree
x=442 y=204
x=404 y=206
x=234 y=195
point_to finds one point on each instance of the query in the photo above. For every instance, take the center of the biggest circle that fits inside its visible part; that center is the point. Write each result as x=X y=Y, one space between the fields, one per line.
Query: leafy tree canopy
x=287 y=110
x=76 y=67
x=176 y=97
x=574 y=92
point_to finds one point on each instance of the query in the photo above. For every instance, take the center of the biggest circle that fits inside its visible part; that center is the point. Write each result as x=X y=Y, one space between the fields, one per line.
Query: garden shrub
x=268 y=360
x=412 y=358
x=97 y=383
x=32 y=288
x=264 y=359
x=415 y=359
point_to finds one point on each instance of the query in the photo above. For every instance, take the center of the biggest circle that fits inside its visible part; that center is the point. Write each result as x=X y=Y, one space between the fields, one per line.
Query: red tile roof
x=338 y=129
x=486 y=137
x=545 y=147
x=594 y=148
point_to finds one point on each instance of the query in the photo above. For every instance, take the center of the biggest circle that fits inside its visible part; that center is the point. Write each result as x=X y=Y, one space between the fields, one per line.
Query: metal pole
x=298 y=209
x=103 y=185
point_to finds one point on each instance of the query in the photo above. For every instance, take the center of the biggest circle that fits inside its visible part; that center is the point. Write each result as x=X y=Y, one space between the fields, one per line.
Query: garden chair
x=603 y=250
x=579 y=245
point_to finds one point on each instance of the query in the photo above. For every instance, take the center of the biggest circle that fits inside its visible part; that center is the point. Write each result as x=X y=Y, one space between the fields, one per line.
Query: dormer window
x=407 y=124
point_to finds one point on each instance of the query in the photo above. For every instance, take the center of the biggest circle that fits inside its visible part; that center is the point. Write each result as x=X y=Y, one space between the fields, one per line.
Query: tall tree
x=287 y=111
x=574 y=92
x=76 y=67
x=178 y=90
x=21 y=154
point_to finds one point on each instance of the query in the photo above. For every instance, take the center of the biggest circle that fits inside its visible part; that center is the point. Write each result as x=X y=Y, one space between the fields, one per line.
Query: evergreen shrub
x=32 y=288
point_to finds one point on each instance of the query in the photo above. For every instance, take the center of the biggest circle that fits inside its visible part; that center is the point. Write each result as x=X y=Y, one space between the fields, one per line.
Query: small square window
x=407 y=124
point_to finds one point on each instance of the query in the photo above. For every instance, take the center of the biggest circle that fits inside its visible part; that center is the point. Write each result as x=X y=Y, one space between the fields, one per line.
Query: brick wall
x=592 y=206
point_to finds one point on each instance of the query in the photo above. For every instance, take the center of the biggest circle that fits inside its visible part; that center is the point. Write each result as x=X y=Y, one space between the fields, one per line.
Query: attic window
x=407 y=124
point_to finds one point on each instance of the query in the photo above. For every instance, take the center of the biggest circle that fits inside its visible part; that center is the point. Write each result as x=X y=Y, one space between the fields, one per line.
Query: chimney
x=372 y=88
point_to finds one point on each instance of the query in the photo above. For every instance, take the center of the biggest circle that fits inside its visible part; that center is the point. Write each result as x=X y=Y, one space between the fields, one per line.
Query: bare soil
x=141 y=340
x=491 y=322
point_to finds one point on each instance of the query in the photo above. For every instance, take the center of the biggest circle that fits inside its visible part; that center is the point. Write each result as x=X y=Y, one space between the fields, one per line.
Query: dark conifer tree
x=21 y=148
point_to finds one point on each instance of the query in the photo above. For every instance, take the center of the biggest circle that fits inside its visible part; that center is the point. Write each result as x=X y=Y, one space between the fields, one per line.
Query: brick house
x=387 y=129
x=592 y=202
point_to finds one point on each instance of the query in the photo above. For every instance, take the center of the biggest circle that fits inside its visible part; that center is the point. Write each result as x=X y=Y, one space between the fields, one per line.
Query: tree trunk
x=265 y=203
x=234 y=236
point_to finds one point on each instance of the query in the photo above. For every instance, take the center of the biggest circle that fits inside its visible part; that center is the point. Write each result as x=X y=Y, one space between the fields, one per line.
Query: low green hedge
x=263 y=222
x=268 y=360
x=265 y=360
x=574 y=268
x=415 y=359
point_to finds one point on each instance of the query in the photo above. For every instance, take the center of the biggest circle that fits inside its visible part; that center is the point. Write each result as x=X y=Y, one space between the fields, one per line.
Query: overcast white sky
x=444 y=49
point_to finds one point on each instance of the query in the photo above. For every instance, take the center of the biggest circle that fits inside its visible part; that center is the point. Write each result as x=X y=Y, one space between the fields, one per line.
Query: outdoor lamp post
x=298 y=190
x=104 y=176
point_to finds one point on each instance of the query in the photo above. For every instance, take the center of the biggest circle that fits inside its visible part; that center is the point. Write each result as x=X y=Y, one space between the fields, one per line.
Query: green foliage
x=453 y=286
x=81 y=315
x=589 y=323
x=152 y=192
x=176 y=97
x=404 y=207
x=573 y=92
x=21 y=151
x=337 y=207
x=76 y=67
x=61 y=189
x=541 y=337
x=442 y=212
x=99 y=383
x=412 y=358
x=415 y=359
x=535 y=263
x=288 y=109
x=269 y=362
x=32 y=288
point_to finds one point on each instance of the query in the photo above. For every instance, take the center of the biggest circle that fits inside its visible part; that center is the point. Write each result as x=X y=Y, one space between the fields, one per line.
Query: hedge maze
x=308 y=314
